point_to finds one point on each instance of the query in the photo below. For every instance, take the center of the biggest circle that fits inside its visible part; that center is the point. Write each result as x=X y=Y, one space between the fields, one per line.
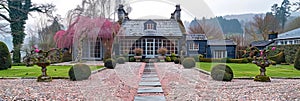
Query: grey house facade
x=150 y=34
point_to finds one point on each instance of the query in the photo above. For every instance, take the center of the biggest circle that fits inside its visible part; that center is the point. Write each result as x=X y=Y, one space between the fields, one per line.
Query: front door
x=150 y=48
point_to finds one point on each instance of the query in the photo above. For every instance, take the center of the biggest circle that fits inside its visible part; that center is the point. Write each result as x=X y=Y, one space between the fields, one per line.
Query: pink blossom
x=261 y=53
x=273 y=48
x=36 y=50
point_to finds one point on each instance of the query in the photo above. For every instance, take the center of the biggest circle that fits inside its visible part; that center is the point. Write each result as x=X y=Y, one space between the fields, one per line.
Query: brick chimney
x=176 y=14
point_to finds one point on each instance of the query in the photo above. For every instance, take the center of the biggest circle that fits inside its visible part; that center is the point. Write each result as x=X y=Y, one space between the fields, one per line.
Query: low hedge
x=223 y=60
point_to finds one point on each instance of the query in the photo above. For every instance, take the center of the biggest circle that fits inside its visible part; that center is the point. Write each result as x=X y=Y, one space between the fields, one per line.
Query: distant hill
x=242 y=18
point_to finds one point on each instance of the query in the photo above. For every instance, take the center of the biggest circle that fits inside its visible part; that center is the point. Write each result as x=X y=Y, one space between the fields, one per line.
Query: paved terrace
x=122 y=83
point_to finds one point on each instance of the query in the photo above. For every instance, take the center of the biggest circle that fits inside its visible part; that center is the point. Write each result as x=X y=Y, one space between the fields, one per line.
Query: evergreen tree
x=282 y=12
x=18 y=11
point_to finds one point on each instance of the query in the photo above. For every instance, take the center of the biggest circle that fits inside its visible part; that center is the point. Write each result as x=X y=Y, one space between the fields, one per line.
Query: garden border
x=245 y=78
x=55 y=77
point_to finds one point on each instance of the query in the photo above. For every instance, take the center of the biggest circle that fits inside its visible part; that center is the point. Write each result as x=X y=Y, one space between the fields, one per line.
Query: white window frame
x=193 y=46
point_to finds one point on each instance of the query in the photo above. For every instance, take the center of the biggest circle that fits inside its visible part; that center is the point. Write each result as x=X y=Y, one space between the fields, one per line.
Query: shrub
x=162 y=51
x=5 y=59
x=222 y=72
x=297 y=60
x=79 y=72
x=196 y=58
x=278 y=58
x=177 y=61
x=168 y=59
x=67 y=57
x=131 y=59
x=110 y=63
x=121 y=60
x=173 y=57
x=189 y=63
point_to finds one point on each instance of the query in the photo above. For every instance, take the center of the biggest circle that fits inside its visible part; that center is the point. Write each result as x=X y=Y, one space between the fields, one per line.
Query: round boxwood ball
x=189 y=63
x=79 y=72
x=110 y=63
x=121 y=60
x=222 y=72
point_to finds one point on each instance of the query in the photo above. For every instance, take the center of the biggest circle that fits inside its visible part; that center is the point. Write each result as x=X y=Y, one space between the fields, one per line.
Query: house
x=150 y=34
x=198 y=44
x=288 y=38
x=262 y=44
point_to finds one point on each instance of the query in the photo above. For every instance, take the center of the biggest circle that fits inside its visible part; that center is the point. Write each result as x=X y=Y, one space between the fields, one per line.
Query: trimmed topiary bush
x=5 y=59
x=168 y=59
x=121 y=60
x=110 y=63
x=189 y=63
x=221 y=72
x=131 y=59
x=278 y=58
x=79 y=72
x=177 y=61
x=297 y=60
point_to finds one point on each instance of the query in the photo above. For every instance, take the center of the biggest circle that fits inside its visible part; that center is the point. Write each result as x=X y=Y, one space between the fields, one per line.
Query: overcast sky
x=194 y=7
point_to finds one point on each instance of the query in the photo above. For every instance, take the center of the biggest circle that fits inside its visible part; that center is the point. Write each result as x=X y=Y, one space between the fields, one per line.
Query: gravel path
x=188 y=84
x=121 y=84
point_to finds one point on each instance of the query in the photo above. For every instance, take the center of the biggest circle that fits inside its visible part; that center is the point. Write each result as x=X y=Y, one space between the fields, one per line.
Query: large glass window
x=219 y=53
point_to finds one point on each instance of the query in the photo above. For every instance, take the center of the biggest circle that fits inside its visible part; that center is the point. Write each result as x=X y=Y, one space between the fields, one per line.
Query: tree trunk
x=17 y=29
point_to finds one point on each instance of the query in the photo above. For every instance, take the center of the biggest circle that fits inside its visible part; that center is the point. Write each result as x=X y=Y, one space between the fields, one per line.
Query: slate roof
x=220 y=42
x=261 y=43
x=290 y=34
x=164 y=27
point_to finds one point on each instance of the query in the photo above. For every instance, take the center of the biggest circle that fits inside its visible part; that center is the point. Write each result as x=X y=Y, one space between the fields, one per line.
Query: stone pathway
x=149 y=87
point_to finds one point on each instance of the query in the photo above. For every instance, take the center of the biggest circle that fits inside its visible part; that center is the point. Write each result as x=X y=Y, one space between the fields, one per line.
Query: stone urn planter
x=44 y=77
x=138 y=58
x=161 y=58
x=162 y=51
x=262 y=61
x=138 y=52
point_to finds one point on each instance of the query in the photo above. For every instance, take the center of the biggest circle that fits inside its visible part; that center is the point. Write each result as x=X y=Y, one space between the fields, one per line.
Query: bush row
x=289 y=52
x=227 y=60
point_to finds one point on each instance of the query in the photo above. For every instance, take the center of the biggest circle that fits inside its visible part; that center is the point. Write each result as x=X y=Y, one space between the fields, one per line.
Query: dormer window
x=150 y=25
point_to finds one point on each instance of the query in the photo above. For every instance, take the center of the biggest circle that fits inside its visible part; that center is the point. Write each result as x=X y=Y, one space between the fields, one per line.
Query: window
x=150 y=26
x=193 y=46
x=219 y=53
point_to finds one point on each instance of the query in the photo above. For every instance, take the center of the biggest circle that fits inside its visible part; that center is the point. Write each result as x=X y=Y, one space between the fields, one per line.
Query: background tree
x=209 y=27
x=18 y=11
x=282 y=12
x=88 y=25
x=294 y=24
x=261 y=26
x=46 y=34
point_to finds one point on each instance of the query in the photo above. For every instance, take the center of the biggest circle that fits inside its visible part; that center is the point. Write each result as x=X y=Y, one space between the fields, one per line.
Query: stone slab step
x=150 y=90
x=152 y=84
x=150 y=79
x=149 y=75
x=149 y=98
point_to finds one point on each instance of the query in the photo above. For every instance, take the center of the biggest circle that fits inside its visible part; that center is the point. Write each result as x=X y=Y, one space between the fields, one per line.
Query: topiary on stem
x=222 y=72
x=5 y=59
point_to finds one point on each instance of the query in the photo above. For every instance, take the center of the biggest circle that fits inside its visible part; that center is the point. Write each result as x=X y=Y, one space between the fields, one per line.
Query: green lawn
x=251 y=70
x=35 y=71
